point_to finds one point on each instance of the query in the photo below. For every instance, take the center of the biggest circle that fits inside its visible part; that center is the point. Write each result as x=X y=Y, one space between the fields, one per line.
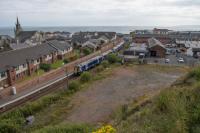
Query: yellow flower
x=106 y=129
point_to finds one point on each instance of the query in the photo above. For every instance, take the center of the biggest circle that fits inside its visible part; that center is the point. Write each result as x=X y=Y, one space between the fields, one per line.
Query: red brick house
x=18 y=63
x=156 y=49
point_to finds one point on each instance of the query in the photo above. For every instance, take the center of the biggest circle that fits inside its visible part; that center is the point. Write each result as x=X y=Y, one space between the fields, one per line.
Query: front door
x=153 y=53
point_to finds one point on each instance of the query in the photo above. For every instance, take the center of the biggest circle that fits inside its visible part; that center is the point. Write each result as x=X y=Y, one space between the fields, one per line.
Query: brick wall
x=160 y=52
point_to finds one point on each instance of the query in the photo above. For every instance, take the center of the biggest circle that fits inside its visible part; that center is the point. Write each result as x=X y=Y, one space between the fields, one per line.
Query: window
x=24 y=65
x=3 y=74
x=17 y=68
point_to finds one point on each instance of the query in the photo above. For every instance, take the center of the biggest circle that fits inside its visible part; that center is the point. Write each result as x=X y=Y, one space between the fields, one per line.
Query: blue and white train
x=118 y=47
x=87 y=65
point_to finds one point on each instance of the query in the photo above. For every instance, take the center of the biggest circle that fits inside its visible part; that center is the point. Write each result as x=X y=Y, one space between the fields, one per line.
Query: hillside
x=131 y=98
x=175 y=109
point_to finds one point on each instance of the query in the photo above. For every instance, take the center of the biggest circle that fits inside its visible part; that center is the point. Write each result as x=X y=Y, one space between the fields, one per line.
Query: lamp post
x=66 y=74
x=66 y=71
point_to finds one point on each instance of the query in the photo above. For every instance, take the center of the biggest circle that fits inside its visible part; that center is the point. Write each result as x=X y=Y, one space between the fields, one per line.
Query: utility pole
x=66 y=73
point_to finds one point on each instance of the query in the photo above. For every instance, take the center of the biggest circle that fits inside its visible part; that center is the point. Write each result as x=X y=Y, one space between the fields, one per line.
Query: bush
x=8 y=128
x=195 y=74
x=64 y=128
x=85 y=77
x=66 y=61
x=87 y=51
x=45 y=67
x=113 y=58
x=105 y=64
x=74 y=86
x=99 y=68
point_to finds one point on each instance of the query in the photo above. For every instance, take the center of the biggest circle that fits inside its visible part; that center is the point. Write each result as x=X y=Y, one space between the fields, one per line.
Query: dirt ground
x=95 y=104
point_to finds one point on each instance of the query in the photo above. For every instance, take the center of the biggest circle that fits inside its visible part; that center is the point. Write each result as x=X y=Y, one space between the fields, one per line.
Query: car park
x=167 y=60
x=181 y=60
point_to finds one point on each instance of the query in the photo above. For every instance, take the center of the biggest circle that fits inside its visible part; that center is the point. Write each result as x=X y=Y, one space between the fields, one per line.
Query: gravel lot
x=95 y=104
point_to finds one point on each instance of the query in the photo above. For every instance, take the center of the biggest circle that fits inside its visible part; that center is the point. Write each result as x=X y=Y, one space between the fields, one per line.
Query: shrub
x=66 y=61
x=195 y=74
x=99 y=68
x=105 y=63
x=113 y=58
x=64 y=128
x=74 y=86
x=87 y=51
x=45 y=67
x=8 y=128
x=85 y=77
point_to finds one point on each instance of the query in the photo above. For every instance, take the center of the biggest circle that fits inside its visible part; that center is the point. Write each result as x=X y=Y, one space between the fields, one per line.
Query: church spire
x=18 y=27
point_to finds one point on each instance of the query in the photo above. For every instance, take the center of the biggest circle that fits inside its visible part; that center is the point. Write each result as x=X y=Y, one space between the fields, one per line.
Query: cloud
x=100 y=12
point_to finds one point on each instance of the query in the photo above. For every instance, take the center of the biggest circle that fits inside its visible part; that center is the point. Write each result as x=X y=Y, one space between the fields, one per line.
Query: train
x=80 y=68
x=87 y=65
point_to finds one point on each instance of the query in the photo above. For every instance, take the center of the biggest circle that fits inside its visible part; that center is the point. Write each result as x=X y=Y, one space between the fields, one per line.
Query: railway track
x=33 y=95
x=59 y=83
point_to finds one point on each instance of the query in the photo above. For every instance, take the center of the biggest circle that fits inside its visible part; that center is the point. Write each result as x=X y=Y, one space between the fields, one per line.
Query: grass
x=143 y=115
x=49 y=111
x=34 y=75
x=57 y=64
x=174 y=110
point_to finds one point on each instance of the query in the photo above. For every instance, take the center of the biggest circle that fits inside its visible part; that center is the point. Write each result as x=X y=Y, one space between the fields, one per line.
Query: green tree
x=87 y=51
x=112 y=58
x=45 y=67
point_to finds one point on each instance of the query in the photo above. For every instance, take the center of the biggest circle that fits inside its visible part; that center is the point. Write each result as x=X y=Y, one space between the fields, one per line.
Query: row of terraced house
x=16 y=64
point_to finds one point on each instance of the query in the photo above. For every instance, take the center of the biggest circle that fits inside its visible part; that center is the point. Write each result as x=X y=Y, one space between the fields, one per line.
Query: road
x=188 y=61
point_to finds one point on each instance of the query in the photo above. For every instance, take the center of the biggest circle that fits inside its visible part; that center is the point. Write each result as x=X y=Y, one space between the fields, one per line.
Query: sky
x=100 y=12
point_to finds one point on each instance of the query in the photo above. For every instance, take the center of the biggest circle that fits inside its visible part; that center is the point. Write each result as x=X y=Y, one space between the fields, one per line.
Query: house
x=141 y=32
x=18 y=63
x=161 y=31
x=82 y=37
x=29 y=38
x=185 y=35
x=5 y=42
x=63 y=48
x=61 y=36
x=92 y=44
x=136 y=50
x=143 y=38
x=25 y=39
x=78 y=40
x=156 y=48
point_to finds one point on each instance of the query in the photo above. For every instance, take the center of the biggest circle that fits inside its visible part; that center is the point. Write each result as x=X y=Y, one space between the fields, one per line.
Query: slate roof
x=79 y=39
x=152 y=35
x=152 y=42
x=15 y=46
x=24 y=35
x=18 y=57
x=59 y=45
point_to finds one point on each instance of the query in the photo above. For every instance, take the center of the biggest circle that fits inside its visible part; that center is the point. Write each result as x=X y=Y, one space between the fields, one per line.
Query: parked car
x=181 y=60
x=167 y=60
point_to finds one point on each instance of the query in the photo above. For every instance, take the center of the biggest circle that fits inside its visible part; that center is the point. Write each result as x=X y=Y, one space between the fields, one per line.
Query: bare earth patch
x=95 y=104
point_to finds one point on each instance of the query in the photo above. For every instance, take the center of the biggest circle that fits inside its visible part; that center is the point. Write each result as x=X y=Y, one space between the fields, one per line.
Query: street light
x=66 y=73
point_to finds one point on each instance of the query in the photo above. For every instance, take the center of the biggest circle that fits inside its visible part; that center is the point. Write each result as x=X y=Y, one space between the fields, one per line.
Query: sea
x=119 y=29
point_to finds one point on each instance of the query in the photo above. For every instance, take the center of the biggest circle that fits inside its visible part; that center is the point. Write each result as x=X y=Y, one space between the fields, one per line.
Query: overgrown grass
x=174 y=110
x=49 y=110
x=34 y=75
x=57 y=64
x=66 y=128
